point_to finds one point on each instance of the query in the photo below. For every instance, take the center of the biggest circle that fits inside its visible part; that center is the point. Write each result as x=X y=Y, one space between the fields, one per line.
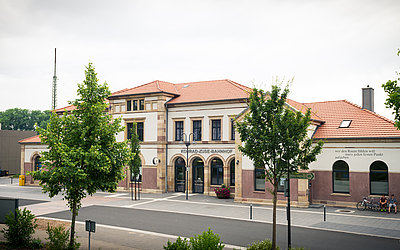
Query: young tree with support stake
x=275 y=137
x=83 y=154
x=135 y=162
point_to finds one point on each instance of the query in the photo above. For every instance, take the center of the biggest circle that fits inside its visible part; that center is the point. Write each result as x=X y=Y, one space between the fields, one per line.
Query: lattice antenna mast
x=54 y=88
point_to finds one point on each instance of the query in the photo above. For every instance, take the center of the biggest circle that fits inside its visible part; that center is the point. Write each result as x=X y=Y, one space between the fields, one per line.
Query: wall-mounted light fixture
x=237 y=162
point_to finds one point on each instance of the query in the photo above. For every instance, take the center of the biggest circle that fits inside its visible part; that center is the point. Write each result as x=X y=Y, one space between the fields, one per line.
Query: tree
x=83 y=154
x=135 y=162
x=23 y=119
x=393 y=100
x=275 y=137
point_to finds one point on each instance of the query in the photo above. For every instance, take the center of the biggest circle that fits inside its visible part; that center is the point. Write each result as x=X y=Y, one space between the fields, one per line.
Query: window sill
x=259 y=192
x=341 y=194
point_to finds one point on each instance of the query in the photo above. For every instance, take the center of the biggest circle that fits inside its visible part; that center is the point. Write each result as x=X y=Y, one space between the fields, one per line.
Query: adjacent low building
x=358 y=159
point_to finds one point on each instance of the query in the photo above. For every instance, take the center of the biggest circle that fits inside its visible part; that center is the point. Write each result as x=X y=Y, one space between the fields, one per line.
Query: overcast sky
x=331 y=48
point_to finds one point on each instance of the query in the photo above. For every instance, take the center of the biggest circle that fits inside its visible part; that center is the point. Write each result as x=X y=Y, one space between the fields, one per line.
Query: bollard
x=251 y=211
x=324 y=212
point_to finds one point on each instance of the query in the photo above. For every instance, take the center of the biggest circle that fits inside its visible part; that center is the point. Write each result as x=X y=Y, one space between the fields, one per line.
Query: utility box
x=22 y=180
x=6 y=206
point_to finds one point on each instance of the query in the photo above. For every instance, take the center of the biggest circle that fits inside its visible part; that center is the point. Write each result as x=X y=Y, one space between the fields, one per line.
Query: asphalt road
x=234 y=232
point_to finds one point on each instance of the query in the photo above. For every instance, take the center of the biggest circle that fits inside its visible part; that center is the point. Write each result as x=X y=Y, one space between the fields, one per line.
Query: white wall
x=359 y=156
x=206 y=112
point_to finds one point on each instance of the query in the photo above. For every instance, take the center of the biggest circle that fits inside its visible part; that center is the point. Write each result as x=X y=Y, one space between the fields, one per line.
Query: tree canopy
x=275 y=138
x=393 y=91
x=83 y=154
x=23 y=119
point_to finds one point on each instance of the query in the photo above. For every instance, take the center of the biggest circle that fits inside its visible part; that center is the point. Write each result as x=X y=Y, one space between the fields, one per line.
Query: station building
x=360 y=156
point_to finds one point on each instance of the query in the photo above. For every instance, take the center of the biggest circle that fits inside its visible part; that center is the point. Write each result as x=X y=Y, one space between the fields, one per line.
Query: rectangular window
x=197 y=130
x=232 y=129
x=128 y=105
x=141 y=104
x=179 y=131
x=135 y=106
x=259 y=179
x=139 y=130
x=216 y=130
x=129 y=127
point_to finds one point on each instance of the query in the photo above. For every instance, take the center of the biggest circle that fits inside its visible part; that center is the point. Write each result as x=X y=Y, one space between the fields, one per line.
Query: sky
x=331 y=49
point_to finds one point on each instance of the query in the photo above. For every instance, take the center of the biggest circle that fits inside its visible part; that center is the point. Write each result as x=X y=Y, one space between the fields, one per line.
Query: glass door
x=198 y=176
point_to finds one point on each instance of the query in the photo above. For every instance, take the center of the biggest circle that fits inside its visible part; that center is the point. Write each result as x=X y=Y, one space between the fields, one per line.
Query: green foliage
x=275 y=138
x=179 y=244
x=135 y=162
x=393 y=101
x=20 y=228
x=83 y=154
x=206 y=241
x=23 y=119
x=36 y=243
x=58 y=237
x=261 y=245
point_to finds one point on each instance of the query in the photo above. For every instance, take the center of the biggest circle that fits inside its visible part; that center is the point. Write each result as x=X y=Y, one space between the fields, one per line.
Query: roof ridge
x=323 y=101
x=28 y=138
x=304 y=104
x=241 y=86
x=371 y=112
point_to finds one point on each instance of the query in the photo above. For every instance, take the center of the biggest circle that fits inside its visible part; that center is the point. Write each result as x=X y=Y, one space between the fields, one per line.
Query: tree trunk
x=71 y=241
x=274 y=200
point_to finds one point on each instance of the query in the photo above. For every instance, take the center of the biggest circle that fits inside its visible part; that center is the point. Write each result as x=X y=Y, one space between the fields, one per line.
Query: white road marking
x=136 y=231
x=115 y=195
x=267 y=222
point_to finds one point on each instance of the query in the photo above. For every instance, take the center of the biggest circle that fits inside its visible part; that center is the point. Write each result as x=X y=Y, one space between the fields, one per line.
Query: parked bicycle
x=368 y=204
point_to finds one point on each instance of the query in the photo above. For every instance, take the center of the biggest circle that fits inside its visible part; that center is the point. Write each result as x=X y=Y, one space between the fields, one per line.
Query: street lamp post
x=187 y=144
x=288 y=209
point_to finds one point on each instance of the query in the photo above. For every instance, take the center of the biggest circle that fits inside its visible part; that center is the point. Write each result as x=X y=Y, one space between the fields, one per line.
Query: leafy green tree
x=23 y=119
x=83 y=154
x=393 y=101
x=135 y=162
x=275 y=137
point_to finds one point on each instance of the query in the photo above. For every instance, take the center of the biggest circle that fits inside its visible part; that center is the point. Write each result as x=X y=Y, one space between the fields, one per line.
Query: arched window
x=379 y=178
x=340 y=176
x=180 y=166
x=217 y=172
x=232 y=170
x=38 y=164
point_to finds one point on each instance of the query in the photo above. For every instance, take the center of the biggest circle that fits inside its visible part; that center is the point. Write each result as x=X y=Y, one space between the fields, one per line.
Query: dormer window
x=345 y=124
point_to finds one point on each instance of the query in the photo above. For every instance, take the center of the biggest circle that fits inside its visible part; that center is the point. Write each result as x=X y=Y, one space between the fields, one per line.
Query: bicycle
x=368 y=204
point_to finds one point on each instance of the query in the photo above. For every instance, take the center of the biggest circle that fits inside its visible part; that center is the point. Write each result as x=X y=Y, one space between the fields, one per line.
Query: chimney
x=368 y=98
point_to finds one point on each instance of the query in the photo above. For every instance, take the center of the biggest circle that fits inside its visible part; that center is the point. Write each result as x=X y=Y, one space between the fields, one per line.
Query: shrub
x=36 y=243
x=262 y=245
x=179 y=244
x=20 y=228
x=58 y=237
x=206 y=241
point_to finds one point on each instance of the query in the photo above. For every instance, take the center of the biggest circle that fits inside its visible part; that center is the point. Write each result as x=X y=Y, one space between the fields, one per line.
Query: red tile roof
x=192 y=91
x=303 y=108
x=33 y=139
x=151 y=87
x=217 y=90
x=365 y=124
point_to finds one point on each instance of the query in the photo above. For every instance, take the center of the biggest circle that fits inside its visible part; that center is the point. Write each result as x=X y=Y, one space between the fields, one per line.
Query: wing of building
x=191 y=125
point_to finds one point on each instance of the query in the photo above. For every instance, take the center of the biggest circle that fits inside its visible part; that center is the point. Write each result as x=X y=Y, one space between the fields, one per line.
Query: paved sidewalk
x=108 y=237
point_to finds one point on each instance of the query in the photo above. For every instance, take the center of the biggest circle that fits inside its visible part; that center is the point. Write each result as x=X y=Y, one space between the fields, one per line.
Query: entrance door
x=198 y=175
x=180 y=175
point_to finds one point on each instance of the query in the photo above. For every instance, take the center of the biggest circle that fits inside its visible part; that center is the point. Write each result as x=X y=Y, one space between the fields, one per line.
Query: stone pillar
x=302 y=198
